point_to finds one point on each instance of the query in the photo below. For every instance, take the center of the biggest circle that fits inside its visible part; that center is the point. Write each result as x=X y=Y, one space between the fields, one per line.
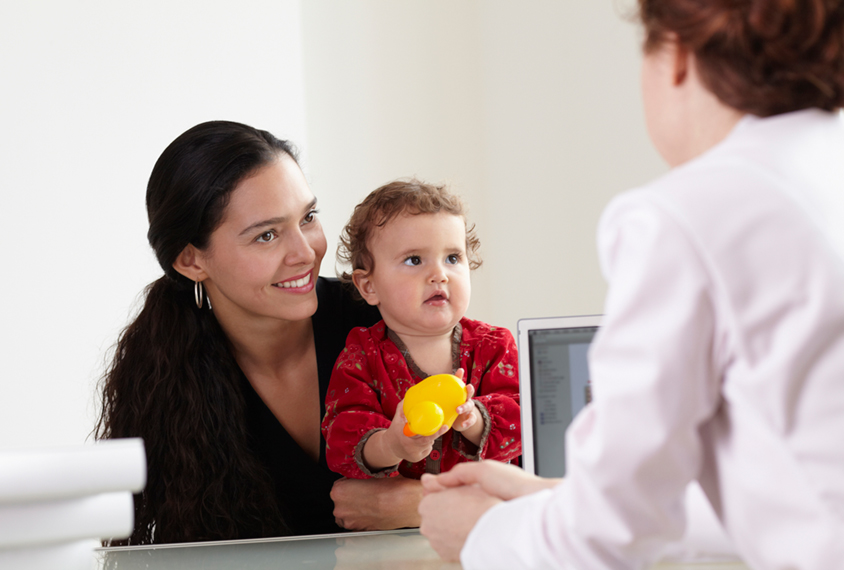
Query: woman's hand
x=376 y=504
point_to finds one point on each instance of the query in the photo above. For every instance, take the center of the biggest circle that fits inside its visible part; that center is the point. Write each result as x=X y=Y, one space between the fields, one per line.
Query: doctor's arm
x=631 y=453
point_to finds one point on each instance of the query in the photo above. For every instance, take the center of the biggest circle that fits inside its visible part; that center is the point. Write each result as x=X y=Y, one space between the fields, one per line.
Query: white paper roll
x=61 y=473
x=109 y=515
x=77 y=555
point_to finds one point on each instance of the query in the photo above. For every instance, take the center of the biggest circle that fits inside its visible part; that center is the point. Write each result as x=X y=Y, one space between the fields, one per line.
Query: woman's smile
x=298 y=284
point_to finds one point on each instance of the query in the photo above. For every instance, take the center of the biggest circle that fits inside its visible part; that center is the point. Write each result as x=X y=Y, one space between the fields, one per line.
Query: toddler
x=411 y=254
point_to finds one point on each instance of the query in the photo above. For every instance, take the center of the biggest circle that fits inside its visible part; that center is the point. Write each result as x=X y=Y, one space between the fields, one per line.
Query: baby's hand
x=413 y=449
x=469 y=414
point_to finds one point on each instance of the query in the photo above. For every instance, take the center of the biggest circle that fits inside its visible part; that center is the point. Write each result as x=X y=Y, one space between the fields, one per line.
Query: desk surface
x=391 y=550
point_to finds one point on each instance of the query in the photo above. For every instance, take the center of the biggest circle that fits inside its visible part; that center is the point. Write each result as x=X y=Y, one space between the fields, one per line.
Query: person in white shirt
x=721 y=356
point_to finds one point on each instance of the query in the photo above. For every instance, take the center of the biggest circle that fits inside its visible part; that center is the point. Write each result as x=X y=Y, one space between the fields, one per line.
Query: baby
x=411 y=254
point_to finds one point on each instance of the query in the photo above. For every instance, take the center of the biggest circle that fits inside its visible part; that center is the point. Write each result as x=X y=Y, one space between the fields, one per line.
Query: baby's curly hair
x=410 y=196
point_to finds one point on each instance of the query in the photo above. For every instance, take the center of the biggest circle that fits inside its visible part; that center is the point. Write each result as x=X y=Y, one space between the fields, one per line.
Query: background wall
x=93 y=91
x=531 y=111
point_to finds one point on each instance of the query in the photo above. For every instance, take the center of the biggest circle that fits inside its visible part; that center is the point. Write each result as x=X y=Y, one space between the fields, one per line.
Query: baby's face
x=421 y=277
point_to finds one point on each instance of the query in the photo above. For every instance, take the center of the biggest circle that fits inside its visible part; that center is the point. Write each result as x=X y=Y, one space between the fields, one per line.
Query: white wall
x=530 y=109
x=92 y=93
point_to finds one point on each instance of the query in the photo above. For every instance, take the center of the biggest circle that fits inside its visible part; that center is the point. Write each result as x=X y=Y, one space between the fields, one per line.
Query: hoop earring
x=198 y=293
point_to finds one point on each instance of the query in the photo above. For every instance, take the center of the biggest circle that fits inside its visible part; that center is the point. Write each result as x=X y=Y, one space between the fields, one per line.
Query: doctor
x=721 y=358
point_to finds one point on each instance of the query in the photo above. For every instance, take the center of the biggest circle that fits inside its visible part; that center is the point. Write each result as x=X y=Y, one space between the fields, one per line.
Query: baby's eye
x=453 y=259
x=413 y=260
x=266 y=237
x=310 y=217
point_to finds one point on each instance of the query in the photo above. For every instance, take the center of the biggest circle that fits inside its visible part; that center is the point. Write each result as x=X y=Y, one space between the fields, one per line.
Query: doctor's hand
x=449 y=515
x=500 y=480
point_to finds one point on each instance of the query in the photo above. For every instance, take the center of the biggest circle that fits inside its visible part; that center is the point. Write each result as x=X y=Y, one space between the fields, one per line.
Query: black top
x=302 y=486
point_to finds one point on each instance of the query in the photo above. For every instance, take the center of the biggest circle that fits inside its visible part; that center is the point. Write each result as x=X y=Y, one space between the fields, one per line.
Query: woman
x=223 y=373
x=721 y=357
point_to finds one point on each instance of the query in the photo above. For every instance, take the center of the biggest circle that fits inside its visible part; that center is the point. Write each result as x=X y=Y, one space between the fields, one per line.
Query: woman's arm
x=376 y=504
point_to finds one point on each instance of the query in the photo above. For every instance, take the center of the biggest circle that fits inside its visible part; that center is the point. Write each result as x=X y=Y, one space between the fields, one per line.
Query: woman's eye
x=413 y=260
x=453 y=259
x=266 y=237
x=310 y=217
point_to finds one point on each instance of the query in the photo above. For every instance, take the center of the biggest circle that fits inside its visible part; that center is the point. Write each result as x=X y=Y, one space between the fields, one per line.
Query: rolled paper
x=77 y=555
x=72 y=471
x=108 y=515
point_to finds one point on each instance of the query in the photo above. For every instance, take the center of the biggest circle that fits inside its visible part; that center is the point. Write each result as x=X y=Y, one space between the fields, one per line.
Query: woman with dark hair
x=721 y=355
x=224 y=371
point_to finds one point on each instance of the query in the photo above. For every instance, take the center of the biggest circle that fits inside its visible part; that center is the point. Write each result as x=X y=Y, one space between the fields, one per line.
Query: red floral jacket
x=371 y=377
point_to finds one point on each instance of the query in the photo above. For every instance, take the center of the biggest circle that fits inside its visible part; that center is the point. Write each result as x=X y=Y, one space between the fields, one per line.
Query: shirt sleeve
x=496 y=381
x=630 y=453
x=353 y=410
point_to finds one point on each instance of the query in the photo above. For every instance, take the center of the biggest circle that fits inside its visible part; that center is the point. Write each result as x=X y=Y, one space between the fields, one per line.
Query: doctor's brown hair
x=763 y=57
x=385 y=203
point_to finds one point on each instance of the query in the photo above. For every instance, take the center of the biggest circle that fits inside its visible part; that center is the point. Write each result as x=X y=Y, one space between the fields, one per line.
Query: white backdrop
x=92 y=93
x=530 y=109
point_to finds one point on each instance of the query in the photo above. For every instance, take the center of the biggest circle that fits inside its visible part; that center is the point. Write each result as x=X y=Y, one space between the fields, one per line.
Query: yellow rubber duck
x=432 y=403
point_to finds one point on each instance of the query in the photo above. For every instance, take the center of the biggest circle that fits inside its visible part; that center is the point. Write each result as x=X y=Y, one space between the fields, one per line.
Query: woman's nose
x=300 y=251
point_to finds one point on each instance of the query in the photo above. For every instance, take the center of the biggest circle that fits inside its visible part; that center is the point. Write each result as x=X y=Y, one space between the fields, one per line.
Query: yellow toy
x=432 y=403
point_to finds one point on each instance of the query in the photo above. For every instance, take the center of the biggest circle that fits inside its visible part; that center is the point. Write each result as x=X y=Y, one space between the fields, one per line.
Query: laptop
x=554 y=385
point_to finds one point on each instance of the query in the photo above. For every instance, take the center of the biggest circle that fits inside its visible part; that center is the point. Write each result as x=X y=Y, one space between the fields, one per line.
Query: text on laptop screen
x=560 y=388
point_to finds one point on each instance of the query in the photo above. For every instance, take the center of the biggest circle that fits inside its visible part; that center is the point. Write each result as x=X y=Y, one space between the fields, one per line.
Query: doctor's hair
x=383 y=204
x=173 y=380
x=763 y=57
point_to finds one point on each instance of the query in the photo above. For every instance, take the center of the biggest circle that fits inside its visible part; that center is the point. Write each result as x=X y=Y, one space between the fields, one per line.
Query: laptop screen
x=555 y=386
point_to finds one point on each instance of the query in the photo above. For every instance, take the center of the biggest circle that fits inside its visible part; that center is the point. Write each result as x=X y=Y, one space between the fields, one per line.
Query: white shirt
x=720 y=359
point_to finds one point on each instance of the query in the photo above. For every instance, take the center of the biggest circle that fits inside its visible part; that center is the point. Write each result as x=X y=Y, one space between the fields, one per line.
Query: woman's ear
x=365 y=286
x=189 y=264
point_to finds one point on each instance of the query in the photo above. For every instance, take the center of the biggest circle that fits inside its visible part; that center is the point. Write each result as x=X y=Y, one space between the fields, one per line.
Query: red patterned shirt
x=372 y=375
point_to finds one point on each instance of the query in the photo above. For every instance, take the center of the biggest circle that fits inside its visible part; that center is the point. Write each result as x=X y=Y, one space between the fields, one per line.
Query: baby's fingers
x=466 y=408
x=470 y=393
x=468 y=422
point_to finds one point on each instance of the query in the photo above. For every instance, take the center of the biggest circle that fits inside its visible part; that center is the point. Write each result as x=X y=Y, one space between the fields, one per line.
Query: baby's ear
x=365 y=286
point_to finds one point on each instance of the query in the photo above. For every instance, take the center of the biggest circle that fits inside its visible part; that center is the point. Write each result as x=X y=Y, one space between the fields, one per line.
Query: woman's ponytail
x=173 y=379
x=174 y=383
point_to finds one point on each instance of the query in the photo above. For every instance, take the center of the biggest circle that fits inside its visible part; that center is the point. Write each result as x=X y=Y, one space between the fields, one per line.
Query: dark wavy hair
x=763 y=57
x=410 y=196
x=173 y=380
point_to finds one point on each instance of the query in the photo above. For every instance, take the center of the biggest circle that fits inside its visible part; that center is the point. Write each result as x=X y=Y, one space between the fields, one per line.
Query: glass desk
x=386 y=550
